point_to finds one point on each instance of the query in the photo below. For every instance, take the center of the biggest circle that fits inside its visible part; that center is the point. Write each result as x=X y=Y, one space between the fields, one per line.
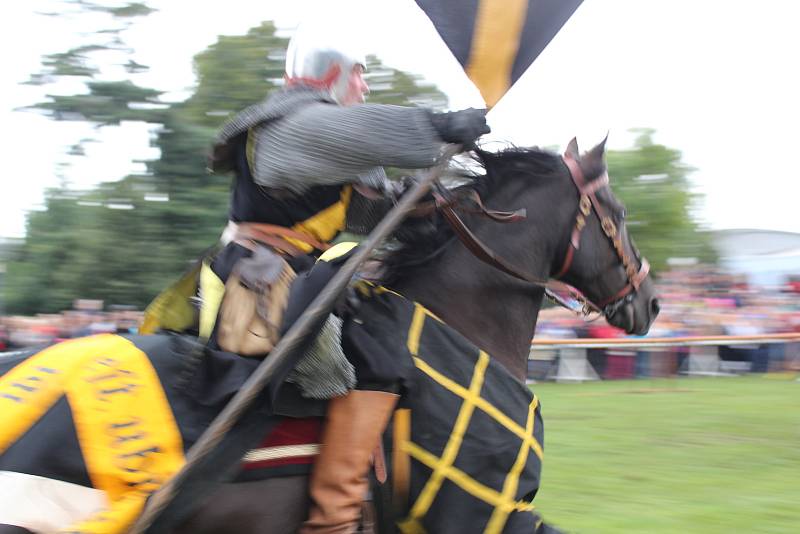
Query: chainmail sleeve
x=364 y=214
x=324 y=144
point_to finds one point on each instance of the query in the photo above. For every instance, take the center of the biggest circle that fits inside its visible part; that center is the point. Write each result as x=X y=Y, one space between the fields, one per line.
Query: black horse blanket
x=99 y=423
x=466 y=444
x=104 y=421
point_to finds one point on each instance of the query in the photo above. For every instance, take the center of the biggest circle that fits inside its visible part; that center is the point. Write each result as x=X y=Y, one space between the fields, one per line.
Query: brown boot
x=352 y=431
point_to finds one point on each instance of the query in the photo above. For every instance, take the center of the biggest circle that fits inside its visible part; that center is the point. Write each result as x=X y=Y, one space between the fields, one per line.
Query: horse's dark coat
x=419 y=240
x=494 y=311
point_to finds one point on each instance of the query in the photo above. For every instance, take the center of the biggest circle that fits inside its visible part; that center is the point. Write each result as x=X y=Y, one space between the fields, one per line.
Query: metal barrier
x=575 y=360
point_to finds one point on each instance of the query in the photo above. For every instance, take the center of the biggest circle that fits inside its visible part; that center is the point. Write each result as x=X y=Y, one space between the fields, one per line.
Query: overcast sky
x=716 y=79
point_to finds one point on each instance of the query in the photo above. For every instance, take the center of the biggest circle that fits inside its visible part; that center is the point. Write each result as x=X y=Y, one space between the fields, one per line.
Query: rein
x=447 y=202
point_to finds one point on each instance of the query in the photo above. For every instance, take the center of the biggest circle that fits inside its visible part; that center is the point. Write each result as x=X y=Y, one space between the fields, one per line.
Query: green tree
x=652 y=182
x=124 y=241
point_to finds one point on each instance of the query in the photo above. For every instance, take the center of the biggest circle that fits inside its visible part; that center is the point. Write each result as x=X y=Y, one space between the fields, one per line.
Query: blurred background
x=108 y=110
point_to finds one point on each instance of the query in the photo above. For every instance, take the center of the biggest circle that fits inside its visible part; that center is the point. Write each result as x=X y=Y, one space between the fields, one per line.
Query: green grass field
x=706 y=455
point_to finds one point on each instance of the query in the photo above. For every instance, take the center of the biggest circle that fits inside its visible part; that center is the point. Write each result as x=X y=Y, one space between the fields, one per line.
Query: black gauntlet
x=462 y=127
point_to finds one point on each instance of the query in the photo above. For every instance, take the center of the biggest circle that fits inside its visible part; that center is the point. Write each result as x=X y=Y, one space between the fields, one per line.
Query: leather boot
x=352 y=431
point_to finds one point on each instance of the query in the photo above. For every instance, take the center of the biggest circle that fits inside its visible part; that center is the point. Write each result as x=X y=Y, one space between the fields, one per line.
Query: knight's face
x=356 y=88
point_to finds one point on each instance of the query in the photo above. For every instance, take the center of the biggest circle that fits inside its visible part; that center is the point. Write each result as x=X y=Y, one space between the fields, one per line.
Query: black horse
x=573 y=229
x=493 y=309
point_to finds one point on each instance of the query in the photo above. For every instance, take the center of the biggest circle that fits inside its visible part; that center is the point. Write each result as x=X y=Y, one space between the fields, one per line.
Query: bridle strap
x=446 y=202
x=633 y=285
x=448 y=198
x=585 y=204
x=481 y=250
x=588 y=201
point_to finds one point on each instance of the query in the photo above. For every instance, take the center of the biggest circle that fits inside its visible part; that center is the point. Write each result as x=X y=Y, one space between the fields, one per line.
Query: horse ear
x=600 y=149
x=572 y=149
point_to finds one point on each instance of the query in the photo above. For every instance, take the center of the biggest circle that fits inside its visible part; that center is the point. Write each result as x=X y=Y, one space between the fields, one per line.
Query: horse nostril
x=654 y=307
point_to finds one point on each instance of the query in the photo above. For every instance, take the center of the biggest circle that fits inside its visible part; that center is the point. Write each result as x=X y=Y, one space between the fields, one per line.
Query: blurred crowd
x=44 y=329
x=696 y=301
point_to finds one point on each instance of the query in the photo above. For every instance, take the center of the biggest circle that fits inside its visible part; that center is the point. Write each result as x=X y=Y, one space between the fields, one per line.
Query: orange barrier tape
x=688 y=340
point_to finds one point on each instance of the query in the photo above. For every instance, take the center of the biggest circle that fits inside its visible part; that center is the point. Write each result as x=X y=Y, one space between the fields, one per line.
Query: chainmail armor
x=364 y=214
x=324 y=372
x=277 y=105
x=302 y=139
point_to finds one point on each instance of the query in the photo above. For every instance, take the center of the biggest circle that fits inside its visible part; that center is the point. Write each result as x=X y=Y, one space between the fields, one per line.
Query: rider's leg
x=353 y=428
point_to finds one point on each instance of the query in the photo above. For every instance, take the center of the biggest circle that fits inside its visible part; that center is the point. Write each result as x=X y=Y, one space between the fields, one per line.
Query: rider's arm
x=329 y=144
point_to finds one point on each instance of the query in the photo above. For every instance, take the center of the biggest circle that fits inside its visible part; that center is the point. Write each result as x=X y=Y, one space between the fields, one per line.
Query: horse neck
x=493 y=310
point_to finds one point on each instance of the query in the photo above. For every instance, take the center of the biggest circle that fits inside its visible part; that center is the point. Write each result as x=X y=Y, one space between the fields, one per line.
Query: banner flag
x=497 y=40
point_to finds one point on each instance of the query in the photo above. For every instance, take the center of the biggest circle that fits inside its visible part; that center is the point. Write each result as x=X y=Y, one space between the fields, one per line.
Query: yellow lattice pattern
x=442 y=467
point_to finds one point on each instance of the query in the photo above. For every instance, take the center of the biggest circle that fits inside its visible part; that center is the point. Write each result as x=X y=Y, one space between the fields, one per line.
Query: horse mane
x=418 y=240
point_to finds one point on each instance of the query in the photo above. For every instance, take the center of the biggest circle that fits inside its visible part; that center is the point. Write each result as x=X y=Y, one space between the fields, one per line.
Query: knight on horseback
x=297 y=158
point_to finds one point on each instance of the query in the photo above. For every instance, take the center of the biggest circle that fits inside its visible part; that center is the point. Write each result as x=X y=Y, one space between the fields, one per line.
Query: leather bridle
x=588 y=202
x=447 y=202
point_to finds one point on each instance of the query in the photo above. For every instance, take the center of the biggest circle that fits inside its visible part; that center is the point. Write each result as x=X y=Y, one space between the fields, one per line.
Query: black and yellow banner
x=497 y=40
x=129 y=440
x=112 y=413
x=117 y=414
x=467 y=444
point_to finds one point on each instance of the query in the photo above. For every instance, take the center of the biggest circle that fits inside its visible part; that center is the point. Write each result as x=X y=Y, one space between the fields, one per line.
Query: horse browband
x=447 y=202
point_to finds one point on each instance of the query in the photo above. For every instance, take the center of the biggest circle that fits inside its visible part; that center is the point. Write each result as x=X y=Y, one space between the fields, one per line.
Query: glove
x=461 y=127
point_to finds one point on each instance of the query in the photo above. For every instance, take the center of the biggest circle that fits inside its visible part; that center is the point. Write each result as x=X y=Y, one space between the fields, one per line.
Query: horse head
x=564 y=224
x=600 y=258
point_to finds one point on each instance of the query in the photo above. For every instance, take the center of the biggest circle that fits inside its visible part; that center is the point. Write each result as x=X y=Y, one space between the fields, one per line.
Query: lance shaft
x=295 y=338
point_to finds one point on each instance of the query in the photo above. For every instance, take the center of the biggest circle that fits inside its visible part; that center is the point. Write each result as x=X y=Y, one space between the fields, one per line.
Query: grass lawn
x=706 y=455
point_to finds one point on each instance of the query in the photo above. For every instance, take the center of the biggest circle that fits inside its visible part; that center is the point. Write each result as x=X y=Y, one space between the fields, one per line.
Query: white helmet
x=312 y=60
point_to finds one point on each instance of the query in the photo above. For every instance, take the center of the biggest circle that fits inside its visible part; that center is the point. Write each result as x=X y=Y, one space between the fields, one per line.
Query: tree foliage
x=652 y=182
x=124 y=241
